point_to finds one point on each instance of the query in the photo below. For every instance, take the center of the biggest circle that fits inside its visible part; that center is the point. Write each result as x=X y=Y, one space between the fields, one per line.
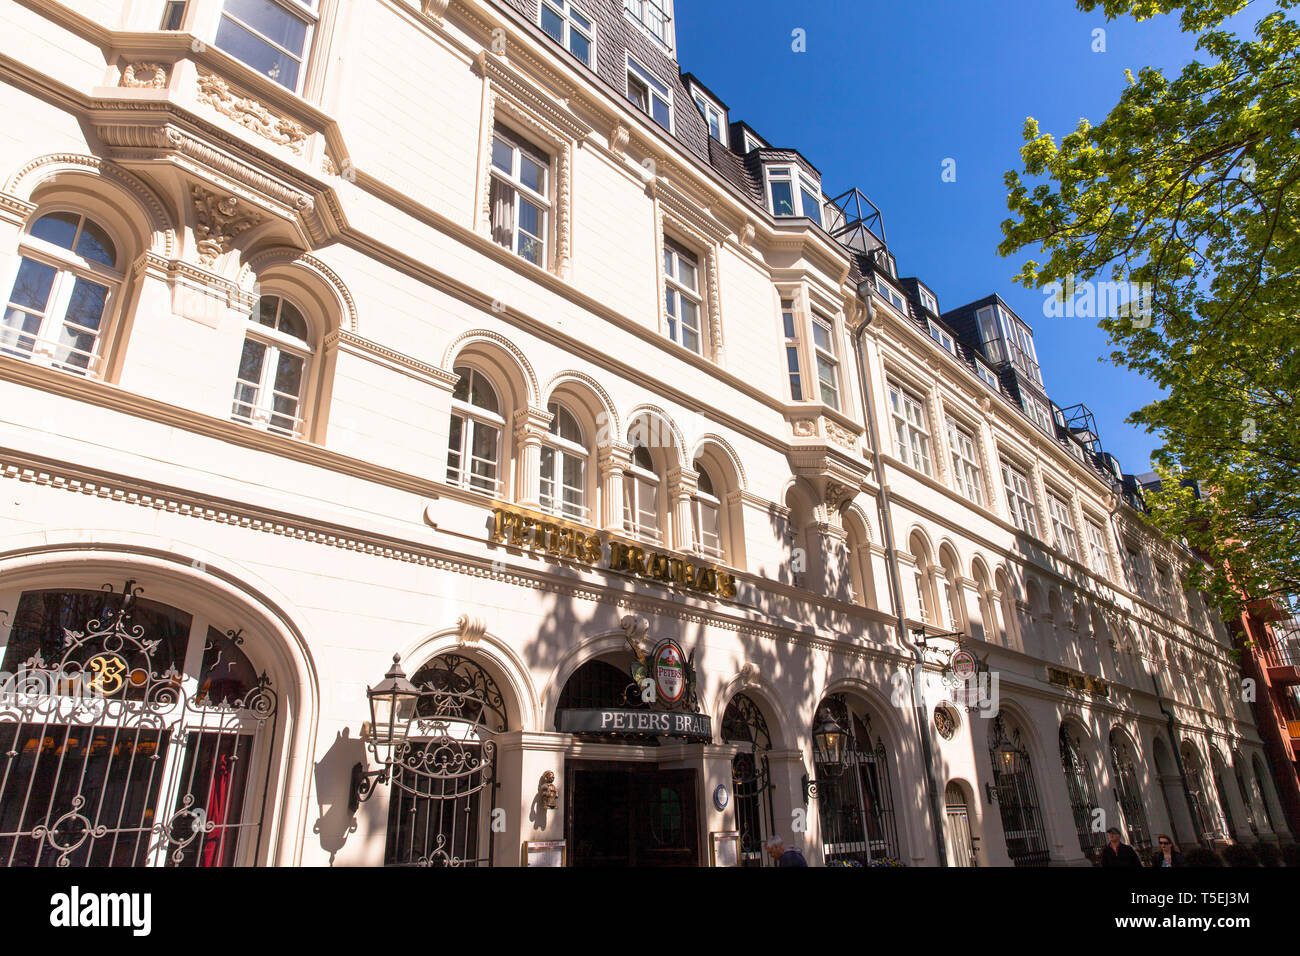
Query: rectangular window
x=570 y=28
x=990 y=336
x=1133 y=570
x=912 y=436
x=1063 y=527
x=793 y=193
x=920 y=596
x=828 y=373
x=1097 y=549
x=943 y=338
x=891 y=295
x=987 y=377
x=707 y=515
x=655 y=16
x=641 y=506
x=682 y=296
x=271 y=36
x=173 y=15
x=965 y=463
x=1020 y=500
x=1040 y=414
x=714 y=116
x=792 y=357
x=649 y=94
x=520 y=197
x=928 y=300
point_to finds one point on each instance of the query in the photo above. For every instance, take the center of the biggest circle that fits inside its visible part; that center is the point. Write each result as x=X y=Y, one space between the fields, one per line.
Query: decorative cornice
x=214 y=91
x=146 y=75
x=517 y=88
x=366 y=348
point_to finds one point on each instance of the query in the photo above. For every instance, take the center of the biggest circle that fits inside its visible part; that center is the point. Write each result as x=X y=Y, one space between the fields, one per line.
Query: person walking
x=785 y=856
x=1118 y=853
x=1167 y=854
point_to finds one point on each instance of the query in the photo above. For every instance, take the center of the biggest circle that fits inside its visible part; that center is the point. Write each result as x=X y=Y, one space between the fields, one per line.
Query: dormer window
x=714 y=115
x=943 y=338
x=570 y=28
x=1039 y=413
x=891 y=295
x=655 y=16
x=752 y=142
x=793 y=193
x=986 y=375
x=928 y=301
x=649 y=94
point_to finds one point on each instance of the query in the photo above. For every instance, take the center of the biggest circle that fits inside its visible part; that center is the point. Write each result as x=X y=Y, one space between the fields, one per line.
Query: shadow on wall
x=333 y=787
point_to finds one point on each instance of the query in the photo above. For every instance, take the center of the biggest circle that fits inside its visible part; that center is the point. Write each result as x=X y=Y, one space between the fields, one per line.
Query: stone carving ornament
x=219 y=221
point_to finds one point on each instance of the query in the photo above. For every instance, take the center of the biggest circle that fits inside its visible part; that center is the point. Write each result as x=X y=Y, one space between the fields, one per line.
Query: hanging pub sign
x=556 y=539
x=670 y=671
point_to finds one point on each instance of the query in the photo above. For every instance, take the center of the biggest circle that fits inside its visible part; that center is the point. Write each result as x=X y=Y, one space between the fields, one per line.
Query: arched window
x=855 y=801
x=1244 y=792
x=1083 y=794
x=1260 y=777
x=642 y=493
x=474 y=438
x=563 y=487
x=923 y=576
x=743 y=723
x=68 y=274
x=139 y=737
x=271 y=384
x=950 y=601
x=1197 y=789
x=706 y=513
x=1128 y=792
x=1013 y=777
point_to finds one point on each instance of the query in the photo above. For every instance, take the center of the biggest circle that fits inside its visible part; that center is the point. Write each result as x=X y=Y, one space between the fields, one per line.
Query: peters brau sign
x=620 y=721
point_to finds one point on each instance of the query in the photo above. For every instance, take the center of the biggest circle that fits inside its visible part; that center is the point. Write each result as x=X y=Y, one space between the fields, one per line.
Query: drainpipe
x=895 y=581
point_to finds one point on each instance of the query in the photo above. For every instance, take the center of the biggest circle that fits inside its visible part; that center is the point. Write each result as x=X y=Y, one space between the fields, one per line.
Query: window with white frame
x=1040 y=414
x=793 y=193
x=713 y=115
x=271 y=36
x=569 y=27
x=793 y=363
x=649 y=94
x=941 y=336
x=1063 y=526
x=656 y=16
x=706 y=514
x=827 y=357
x=641 y=497
x=474 y=438
x=682 y=297
x=965 y=463
x=891 y=295
x=520 y=198
x=950 y=602
x=987 y=377
x=66 y=279
x=1020 y=499
x=1133 y=570
x=920 y=596
x=911 y=433
x=752 y=142
x=272 y=378
x=173 y=15
x=1097 y=550
x=563 y=485
x=927 y=300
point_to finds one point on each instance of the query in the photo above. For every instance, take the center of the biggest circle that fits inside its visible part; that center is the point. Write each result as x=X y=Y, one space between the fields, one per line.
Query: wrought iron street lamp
x=830 y=749
x=392 y=705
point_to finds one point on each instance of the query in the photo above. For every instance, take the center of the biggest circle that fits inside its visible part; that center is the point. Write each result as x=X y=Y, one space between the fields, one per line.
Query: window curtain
x=503 y=213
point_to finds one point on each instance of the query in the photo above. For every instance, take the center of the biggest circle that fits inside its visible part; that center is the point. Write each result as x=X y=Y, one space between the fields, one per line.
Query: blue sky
x=887 y=91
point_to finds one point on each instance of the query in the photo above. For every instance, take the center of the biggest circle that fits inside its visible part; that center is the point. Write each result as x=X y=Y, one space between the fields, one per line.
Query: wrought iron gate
x=751 y=782
x=1199 y=806
x=1083 y=796
x=443 y=772
x=1128 y=796
x=110 y=756
x=1013 y=777
x=855 y=802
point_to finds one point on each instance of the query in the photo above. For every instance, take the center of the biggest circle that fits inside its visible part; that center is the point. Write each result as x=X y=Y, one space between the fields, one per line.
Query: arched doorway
x=958 y=841
x=132 y=733
x=1194 y=771
x=1082 y=791
x=855 y=801
x=1128 y=793
x=751 y=784
x=443 y=781
x=1013 y=780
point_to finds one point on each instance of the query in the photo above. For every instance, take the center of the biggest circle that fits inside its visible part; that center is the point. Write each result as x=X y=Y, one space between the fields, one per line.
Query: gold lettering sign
x=1092 y=685
x=106 y=672
x=543 y=535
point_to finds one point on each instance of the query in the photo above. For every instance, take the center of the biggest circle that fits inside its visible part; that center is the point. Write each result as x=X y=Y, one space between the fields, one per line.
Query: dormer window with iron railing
x=1008 y=341
x=655 y=16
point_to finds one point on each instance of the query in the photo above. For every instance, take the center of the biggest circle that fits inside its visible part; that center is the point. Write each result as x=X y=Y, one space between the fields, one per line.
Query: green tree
x=1189 y=187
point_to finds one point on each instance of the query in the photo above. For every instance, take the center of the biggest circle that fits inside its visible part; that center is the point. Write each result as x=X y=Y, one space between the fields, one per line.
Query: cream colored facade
x=363 y=197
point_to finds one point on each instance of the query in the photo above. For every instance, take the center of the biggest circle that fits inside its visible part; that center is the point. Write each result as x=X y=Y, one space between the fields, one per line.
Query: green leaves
x=1192 y=183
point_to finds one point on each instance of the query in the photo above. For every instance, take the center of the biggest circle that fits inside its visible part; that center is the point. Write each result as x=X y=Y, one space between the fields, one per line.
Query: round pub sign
x=670 y=671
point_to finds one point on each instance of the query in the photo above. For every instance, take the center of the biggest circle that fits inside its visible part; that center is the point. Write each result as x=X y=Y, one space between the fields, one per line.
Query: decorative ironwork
x=1199 y=806
x=1017 y=797
x=945 y=721
x=97 y=745
x=1127 y=793
x=751 y=782
x=443 y=769
x=856 y=805
x=1245 y=797
x=1083 y=795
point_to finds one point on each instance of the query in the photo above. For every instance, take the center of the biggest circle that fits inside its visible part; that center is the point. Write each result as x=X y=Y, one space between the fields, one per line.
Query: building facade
x=479 y=335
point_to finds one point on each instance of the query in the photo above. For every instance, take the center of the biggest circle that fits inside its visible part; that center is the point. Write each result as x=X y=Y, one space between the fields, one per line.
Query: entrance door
x=961 y=850
x=631 y=815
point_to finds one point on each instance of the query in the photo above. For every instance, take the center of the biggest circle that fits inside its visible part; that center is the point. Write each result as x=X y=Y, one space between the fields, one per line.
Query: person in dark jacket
x=1118 y=853
x=1167 y=855
x=785 y=856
